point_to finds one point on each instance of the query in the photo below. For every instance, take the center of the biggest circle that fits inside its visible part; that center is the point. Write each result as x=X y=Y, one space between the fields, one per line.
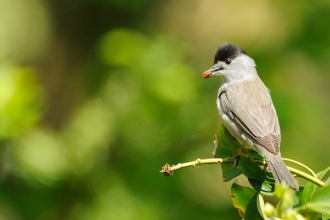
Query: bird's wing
x=249 y=104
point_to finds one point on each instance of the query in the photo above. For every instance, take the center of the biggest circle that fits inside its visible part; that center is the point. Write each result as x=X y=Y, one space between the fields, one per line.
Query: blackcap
x=246 y=108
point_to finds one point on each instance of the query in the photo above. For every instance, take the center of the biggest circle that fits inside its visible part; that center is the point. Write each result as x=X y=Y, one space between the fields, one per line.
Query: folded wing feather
x=251 y=105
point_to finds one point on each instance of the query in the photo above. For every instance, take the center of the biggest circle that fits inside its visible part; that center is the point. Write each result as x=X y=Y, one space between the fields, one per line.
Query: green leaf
x=256 y=184
x=323 y=194
x=223 y=148
x=297 y=196
x=328 y=181
x=251 y=169
x=264 y=188
x=233 y=143
x=261 y=206
x=319 y=207
x=241 y=196
x=229 y=172
x=269 y=179
x=254 y=154
x=311 y=187
x=226 y=147
x=320 y=202
x=325 y=216
x=252 y=209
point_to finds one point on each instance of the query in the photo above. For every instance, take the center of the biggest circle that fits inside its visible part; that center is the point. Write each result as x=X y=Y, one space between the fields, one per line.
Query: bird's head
x=231 y=63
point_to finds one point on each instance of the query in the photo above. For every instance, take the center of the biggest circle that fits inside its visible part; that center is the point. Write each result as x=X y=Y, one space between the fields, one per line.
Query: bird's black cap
x=227 y=50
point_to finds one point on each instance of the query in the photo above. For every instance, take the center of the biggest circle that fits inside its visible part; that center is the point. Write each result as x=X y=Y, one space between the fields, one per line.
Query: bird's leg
x=236 y=159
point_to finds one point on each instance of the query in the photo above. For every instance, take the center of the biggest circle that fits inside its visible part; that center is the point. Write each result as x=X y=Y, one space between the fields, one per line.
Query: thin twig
x=168 y=170
x=300 y=164
x=306 y=176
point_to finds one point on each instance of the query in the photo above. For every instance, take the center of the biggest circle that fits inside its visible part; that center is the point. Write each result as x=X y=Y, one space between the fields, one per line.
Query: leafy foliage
x=310 y=188
x=241 y=196
x=249 y=201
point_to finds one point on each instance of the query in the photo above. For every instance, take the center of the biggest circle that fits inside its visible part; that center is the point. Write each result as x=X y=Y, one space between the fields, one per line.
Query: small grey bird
x=246 y=108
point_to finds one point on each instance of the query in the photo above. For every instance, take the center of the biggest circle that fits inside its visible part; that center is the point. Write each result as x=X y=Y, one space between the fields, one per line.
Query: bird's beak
x=214 y=70
x=207 y=74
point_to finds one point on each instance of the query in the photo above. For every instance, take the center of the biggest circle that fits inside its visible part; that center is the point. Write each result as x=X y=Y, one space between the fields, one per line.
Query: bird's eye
x=228 y=61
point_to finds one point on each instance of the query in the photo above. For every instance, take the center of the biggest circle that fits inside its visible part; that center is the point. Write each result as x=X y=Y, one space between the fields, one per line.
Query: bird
x=247 y=110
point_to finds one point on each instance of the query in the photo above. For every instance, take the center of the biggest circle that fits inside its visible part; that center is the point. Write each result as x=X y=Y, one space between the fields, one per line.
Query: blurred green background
x=97 y=95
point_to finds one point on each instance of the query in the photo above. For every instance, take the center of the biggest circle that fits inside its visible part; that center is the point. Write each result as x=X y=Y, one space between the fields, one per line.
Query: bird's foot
x=236 y=160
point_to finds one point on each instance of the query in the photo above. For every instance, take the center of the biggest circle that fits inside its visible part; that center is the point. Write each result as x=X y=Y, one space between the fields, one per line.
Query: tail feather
x=280 y=171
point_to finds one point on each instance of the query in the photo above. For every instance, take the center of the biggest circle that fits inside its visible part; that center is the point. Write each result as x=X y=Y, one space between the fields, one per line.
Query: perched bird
x=246 y=108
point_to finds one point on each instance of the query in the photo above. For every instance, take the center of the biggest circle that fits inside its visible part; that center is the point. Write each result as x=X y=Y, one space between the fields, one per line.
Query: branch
x=307 y=177
x=302 y=165
x=168 y=170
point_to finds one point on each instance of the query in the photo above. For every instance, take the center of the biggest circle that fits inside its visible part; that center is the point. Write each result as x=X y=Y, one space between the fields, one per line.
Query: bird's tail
x=280 y=171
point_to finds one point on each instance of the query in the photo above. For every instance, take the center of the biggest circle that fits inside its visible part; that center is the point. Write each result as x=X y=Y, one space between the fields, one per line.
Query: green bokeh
x=96 y=96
